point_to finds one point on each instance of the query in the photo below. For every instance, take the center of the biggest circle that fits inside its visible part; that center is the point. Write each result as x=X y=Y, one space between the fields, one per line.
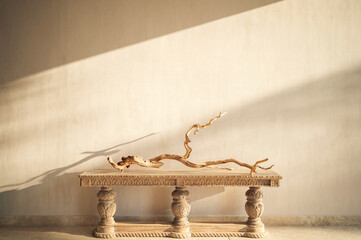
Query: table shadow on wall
x=329 y=105
x=330 y=100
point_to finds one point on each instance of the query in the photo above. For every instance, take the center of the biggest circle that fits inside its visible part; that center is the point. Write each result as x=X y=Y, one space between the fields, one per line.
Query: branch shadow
x=328 y=103
x=39 y=188
x=61 y=32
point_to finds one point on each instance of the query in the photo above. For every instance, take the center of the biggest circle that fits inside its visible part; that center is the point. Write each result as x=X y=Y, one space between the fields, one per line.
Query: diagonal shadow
x=302 y=107
x=58 y=171
x=289 y=118
x=61 y=32
x=40 y=189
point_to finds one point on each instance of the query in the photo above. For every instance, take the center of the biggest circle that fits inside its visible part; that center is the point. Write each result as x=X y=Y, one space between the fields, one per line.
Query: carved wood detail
x=169 y=180
x=180 y=209
x=180 y=235
x=106 y=209
x=254 y=209
x=180 y=228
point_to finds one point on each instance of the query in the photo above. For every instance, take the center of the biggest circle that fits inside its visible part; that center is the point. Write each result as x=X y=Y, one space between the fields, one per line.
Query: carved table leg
x=180 y=209
x=106 y=210
x=254 y=209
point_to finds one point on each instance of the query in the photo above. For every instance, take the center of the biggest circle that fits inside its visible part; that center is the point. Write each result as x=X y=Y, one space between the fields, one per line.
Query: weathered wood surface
x=163 y=177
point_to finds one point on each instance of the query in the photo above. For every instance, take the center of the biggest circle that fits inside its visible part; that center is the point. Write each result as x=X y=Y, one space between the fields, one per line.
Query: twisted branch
x=156 y=161
x=197 y=127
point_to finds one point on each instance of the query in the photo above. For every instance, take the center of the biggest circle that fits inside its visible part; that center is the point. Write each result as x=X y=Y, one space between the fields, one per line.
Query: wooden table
x=180 y=179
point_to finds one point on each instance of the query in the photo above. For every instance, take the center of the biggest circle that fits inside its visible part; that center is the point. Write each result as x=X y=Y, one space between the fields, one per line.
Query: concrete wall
x=82 y=80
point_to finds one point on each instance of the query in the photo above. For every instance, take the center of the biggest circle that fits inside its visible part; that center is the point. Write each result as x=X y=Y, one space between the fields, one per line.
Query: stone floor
x=275 y=232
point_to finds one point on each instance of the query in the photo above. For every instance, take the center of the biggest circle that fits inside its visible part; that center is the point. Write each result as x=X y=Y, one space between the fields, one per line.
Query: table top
x=192 y=177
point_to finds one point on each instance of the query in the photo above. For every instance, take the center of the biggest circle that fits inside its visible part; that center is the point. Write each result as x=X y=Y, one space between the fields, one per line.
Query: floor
x=279 y=233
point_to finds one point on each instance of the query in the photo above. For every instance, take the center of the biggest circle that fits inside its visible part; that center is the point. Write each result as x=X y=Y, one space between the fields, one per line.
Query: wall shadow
x=328 y=103
x=38 y=35
x=317 y=128
x=41 y=187
x=159 y=199
x=332 y=100
x=324 y=113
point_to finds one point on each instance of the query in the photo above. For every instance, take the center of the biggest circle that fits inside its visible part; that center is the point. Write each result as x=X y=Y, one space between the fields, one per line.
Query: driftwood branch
x=156 y=161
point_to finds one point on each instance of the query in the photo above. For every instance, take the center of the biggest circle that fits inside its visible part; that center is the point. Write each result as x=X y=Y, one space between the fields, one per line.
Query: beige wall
x=81 y=80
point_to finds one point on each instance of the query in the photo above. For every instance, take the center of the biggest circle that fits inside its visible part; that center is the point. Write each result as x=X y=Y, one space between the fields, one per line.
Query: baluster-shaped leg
x=106 y=210
x=180 y=209
x=254 y=209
